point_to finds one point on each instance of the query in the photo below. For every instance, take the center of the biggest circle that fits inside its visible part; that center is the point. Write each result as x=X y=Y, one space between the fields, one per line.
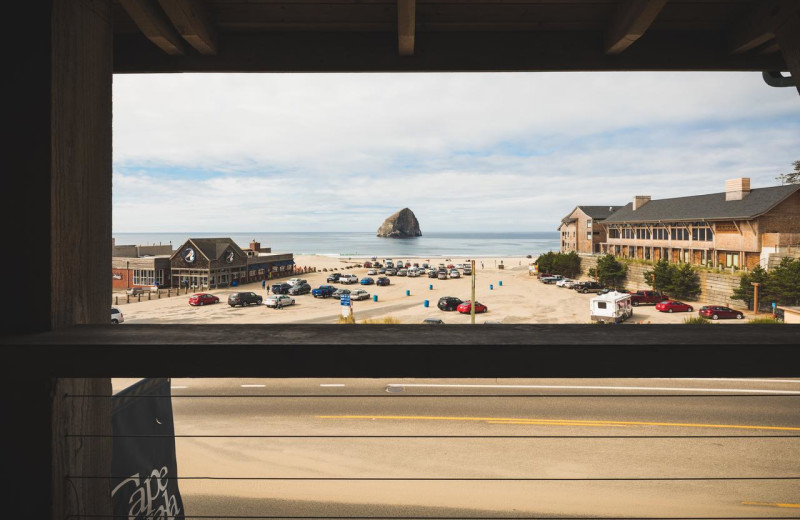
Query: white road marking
x=571 y=387
x=253 y=386
x=331 y=384
x=746 y=380
x=174 y=387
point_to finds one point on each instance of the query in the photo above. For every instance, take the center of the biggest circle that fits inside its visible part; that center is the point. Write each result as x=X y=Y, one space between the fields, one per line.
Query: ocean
x=366 y=244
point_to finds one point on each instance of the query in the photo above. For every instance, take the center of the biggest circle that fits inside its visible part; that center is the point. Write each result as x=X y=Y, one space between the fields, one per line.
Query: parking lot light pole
x=472 y=306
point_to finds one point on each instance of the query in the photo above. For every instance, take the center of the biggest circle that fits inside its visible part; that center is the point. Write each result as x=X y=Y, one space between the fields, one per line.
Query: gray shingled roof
x=706 y=207
x=599 y=212
x=213 y=248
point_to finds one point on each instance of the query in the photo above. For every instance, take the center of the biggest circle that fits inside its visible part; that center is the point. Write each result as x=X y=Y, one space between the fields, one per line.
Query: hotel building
x=740 y=227
x=582 y=230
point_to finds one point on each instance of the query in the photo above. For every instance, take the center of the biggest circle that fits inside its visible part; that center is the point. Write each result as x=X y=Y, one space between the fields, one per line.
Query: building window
x=588 y=235
x=144 y=277
x=732 y=260
x=589 y=223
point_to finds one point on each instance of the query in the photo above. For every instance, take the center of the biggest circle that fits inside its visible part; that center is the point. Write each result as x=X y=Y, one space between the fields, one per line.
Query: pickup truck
x=334 y=277
x=323 y=291
x=348 y=278
x=587 y=287
x=647 y=297
x=551 y=279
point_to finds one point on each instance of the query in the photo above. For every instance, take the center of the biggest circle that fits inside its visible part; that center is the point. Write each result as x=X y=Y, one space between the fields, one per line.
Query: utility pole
x=755 y=297
x=472 y=306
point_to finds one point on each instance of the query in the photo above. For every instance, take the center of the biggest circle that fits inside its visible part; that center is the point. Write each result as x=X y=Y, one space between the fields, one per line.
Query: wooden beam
x=631 y=22
x=406 y=26
x=761 y=24
x=788 y=37
x=152 y=22
x=191 y=19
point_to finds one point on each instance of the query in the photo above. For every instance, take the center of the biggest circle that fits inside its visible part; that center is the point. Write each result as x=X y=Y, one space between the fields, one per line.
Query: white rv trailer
x=611 y=307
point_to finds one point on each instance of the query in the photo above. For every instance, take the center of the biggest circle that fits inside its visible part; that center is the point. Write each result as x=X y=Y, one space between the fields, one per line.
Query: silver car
x=272 y=301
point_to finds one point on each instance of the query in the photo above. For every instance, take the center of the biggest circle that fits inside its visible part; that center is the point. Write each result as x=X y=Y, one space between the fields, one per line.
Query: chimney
x=737 y=189
x=639 y=201
x=255 y=246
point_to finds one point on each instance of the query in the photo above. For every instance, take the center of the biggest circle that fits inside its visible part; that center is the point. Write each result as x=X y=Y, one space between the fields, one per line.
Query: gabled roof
x=213 y=248
x=599 y=212
x=712 y=206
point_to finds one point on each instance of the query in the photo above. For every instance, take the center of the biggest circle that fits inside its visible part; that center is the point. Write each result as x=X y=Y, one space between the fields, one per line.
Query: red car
x=202 y=299
x=465 y=308
x=716 y=312
x=673 y=306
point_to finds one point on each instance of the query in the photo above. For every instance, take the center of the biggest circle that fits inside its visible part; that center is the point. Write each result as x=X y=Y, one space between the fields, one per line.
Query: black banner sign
x=143 y=466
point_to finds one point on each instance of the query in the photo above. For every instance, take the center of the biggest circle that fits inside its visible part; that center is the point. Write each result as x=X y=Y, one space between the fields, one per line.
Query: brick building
x=738 y=228
x=582 y=230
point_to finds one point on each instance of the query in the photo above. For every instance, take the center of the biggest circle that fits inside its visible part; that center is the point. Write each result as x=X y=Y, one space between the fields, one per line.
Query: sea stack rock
x=402 y=224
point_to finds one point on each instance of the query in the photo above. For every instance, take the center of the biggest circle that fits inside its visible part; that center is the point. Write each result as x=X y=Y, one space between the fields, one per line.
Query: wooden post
x=755 y=297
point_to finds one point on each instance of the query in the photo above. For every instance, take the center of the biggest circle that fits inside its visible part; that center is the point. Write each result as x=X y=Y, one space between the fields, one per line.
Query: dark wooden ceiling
x=451 y=35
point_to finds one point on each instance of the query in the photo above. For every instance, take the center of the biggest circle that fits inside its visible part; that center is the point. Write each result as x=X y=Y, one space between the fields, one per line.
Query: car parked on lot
x=284 y=300
x=391 y=271
x=467 y=271
x=280 y=288
x=338 y=293
x=645 y=297
x=383 y=281
x=295 y=281
x=449 y=303
x=301 y=288
x=359 y=294
x=348 y=278
x=551 y=279
x=414 y=272
x=466 y=307
x=442 y=275
x=203 y=299
x=372 y=272
x=716 y=312
x=116 y=316
x=587 y=287
x=432 y=321
x=673 y=306
x=563 y=282
x=244 y=299
x=454 y=273
x=323 y=291
x=433 y=273
x=333 y=277
x=402 y=272
x=367 y=280
x=382 y=270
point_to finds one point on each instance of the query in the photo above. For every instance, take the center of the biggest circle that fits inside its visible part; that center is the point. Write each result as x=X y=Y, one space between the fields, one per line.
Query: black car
x=280 y=288
x=244 y=299
x=433 y=274
x=449 y=303
x=334 y=277
x=383 y=281
x=587 y=287
x=301 y=288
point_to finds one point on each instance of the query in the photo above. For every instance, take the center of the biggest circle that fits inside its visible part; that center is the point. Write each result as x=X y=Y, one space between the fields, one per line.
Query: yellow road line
x=557 y=423
x=575 y=422
x=770 y=504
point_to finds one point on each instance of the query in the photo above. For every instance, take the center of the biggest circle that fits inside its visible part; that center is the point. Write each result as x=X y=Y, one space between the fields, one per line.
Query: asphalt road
x=486 y=448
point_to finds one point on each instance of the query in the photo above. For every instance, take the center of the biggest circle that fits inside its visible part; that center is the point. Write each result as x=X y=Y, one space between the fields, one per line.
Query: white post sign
x=347 y=305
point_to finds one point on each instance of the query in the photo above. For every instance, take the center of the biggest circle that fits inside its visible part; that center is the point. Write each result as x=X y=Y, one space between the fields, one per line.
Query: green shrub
x=696 y=320
x=765 y=320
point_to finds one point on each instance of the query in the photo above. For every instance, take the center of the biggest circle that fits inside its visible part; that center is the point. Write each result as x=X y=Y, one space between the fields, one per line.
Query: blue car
x=367 y=281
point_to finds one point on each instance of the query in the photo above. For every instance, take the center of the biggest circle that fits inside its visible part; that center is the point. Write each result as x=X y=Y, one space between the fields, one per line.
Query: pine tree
x=610 y=272
x=784 y=283
x=685 y=282
x=791 y=177
x=745 y=291
x=660 y=277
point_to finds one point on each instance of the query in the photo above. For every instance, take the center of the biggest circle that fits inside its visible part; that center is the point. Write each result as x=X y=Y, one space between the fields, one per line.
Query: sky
x=488 y=152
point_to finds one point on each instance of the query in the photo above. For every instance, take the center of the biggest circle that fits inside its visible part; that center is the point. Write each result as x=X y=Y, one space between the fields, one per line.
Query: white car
x=564 y=281
x=296 y=281
x=116 y=316
x=413 y=273
x=372 y=272
x=272 y=301
x=454 y=273
x=359 y=294
x=348 y=278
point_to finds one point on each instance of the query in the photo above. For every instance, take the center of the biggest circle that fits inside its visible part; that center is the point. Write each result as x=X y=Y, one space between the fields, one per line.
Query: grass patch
x=348 y=319
x=696 y=320
x=768 y=320
x=387 y=320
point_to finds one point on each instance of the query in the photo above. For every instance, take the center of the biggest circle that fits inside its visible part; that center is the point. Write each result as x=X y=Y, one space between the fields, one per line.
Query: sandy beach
x=511 y=295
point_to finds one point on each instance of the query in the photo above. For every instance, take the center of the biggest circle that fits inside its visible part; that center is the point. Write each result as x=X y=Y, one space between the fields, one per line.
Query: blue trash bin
x=408 y=292
x=234 y=283
x=491 y=287
x=430 y=287
x=374 y=297
x=500 y=283
x=426 y=303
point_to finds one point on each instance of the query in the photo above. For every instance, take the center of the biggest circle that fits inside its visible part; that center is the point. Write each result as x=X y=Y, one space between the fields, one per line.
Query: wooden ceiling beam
x=191 y=19
x=761 y=24
x=154 y=25
x=406 y=26
x=788 y=37
x=631 y=22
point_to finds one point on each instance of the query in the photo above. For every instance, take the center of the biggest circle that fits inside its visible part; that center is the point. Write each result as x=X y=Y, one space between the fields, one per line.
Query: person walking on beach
x=267 y=289
x=481 y=264
x=263 y=284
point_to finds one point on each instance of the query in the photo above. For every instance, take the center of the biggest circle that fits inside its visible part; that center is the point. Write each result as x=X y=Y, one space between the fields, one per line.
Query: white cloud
x=482 y=152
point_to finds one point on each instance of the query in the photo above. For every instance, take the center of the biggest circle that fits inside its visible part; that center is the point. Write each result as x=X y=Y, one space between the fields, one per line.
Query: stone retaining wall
x=716 y=288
